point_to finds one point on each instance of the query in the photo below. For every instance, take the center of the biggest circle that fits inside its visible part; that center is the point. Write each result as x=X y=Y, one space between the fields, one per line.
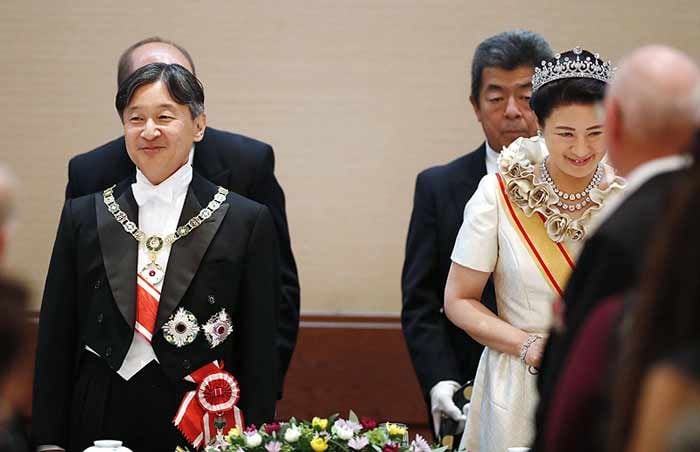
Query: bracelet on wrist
x=531 y=339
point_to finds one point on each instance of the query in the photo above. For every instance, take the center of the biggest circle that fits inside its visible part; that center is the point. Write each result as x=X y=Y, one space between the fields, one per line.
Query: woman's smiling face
x=574 y=137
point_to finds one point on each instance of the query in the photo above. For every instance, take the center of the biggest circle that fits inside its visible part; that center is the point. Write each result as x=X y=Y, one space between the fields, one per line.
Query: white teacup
x=518 y=449
x=107 y=445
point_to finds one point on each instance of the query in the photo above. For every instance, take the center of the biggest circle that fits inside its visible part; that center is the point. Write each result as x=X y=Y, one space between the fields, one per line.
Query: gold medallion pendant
x=152 y=272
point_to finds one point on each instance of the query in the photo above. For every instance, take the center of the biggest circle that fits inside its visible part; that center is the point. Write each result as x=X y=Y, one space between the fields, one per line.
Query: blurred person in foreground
x=14 y=335
x=658 y=378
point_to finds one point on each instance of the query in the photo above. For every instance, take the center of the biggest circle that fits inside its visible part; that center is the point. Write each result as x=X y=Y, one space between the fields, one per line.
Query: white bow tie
x=143 y=193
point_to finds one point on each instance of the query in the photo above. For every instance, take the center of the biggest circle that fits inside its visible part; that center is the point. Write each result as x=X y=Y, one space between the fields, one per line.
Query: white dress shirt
x=160 y=207
x=491 y=160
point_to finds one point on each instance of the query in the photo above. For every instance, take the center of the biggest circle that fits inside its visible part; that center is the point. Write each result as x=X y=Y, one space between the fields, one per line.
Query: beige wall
x=355 y=96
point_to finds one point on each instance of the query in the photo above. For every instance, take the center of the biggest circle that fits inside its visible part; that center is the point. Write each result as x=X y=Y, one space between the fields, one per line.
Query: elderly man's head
x=7 y=206
x=651 y=107
x=152 y=50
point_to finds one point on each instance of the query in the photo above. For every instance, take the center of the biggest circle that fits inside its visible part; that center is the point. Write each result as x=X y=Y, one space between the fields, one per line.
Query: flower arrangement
x=333 y=434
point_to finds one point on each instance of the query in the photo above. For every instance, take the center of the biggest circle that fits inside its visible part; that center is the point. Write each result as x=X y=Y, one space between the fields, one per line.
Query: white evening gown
x=501 y=413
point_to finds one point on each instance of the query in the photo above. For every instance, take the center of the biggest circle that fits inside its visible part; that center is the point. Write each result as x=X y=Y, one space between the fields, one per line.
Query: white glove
x=441 y=404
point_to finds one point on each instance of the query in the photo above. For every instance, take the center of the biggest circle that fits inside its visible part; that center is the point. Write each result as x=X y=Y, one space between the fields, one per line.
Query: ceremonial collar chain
x=152 y=272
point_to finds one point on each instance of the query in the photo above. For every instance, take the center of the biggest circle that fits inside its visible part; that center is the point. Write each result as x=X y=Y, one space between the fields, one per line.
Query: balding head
x=152 y=50
x=651 y=106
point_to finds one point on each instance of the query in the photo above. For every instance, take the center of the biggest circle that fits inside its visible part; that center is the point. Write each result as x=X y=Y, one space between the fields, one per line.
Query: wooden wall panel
x=358 y=363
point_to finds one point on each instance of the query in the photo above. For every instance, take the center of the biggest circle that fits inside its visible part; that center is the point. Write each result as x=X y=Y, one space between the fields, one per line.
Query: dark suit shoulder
x=638 y=216
x=90 y=159
x=234 y=145
x=461 y=166
x=82 y=206
x=223 y=136
x=243 y=205
x=239 y=205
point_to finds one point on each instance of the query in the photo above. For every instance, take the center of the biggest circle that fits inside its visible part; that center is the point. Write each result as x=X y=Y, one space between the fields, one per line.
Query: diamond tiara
x=582 y=64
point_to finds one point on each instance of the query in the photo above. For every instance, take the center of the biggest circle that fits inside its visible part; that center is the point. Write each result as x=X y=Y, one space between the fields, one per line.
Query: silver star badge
x=218 y=328
x=181 y=328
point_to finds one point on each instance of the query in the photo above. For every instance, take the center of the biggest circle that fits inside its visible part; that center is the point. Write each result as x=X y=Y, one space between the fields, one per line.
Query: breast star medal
x=181 y=328
x=218 y=328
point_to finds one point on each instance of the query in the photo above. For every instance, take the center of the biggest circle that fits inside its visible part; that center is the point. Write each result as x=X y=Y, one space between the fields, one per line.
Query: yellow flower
x=320 y=423
x=395 y=430
x=235 y=432
x=319 y=444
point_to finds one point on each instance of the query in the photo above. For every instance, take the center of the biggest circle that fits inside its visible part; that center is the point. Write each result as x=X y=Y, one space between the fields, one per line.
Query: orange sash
x=552 y=258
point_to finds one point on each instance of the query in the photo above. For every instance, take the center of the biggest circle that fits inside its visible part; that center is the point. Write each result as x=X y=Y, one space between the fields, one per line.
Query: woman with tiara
x=524 y=226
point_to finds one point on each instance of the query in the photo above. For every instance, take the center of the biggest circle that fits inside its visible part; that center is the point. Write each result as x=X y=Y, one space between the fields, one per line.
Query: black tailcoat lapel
x=187 y=252
x=119 y=250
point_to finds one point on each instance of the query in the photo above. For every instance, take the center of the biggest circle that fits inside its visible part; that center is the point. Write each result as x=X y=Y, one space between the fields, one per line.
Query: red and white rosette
x=216 y=395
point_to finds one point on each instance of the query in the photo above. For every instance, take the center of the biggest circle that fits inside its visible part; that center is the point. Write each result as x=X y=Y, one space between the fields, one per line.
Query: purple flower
x=358 y=442
x=273 y=446
x=420 y=445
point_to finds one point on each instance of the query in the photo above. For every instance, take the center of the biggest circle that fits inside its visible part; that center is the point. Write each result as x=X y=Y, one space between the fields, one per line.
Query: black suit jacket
x=610 y=263
x=89 y=300
x=241 y=164
x=439 y=350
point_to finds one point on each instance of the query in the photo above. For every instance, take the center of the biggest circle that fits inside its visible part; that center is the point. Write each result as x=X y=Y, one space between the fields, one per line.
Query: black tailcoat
x=231 y=261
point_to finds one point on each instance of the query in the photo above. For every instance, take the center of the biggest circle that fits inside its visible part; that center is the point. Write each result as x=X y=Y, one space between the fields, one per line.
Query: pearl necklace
x=581 y=199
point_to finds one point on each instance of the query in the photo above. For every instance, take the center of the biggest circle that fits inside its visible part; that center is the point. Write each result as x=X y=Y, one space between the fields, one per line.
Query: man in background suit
x=238 y=163
x=649 y=124
x=443 y=355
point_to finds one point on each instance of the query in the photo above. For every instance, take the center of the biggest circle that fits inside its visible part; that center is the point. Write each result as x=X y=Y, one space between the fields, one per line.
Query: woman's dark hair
x=182 y=85
x=567 y=91
x=666 y=317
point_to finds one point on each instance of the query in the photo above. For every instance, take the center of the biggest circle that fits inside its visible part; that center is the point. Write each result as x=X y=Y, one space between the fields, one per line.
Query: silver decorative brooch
x=218 y=328
x=181 y=328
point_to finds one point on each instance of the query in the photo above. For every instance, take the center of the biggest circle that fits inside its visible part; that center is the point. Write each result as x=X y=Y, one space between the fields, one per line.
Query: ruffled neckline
x=517 y=163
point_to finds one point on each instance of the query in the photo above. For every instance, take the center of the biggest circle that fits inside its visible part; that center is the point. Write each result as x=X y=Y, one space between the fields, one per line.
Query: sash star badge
x=181 y=328
x=218 y=328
